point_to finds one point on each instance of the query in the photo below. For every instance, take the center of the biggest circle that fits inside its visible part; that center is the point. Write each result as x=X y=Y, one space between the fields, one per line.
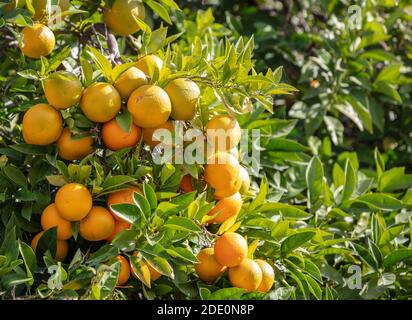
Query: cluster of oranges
x=230 y=251
x=152 y=107
x=73 y=203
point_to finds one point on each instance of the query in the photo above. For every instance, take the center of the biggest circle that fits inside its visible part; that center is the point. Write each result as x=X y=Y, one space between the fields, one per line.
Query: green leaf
x=182 y=224
x=160 y=10
x=397 y=256
x=314 y=287
x=286 y=210
x=350 y=182
x=150 y=195
x=116 y=181
x=227 y=294
x=390 y=233
x=128 y=212
x=9 y=246
x=260 y=198
x=375 y=251
x=29 y=149
x=295 y=241
x=281 y=144
x=394 y=179
x=125 y=121
x=14 y=174
x=29 y=258
x=380 y=201
x=390 y=73
x=101 y=61
x=380 y=163
x=47 y=242
x=314 y=180
x=183 y=254
x=87 y=71
x=142 y=204
x=160 y=264
x=157 y=40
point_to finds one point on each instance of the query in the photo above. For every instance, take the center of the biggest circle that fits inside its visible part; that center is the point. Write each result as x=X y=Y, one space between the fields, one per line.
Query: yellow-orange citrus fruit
x=222 y=174
x=186 y=184
x=39 y=7
x=115 y=138
x=184 y=95
x=246 y=275
x=38 y=41
x=42 y=125
x=224 y=131
x=244 y=177
x=73 y=201
x=154 y=274
x=51 y=218
x=208 y=269
x=72 y=148
x=122 y=197
x=62 y=89
x=148 y=133
x=100 y=102
x=130 y=80
x=226 y=208
x=148 y=64
x=97 y=225
x=120 y=18
x=118 y=227
x=230 y=249
x=124 y=273
x=268 y=276
x=62 y=247
x=150 y=106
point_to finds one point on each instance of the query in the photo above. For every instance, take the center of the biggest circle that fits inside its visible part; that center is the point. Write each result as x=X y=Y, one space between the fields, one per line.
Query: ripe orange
x=124 y=273
x=184 y=95
x=148 y=64
x=42 y=125
x=130 y=80
x=150 y=106
x=224 y=132
x=100 y=102
x=208 y=269
x=222 y=174
x=186 y=184
x=38 y=41
x=73 y=201
x=62 y=248
x=120 y=18
x=71 y=148
x=244 y=177
x=97 y=225
x=118 y=227
x=63 y=89
x=51 y=218
x=122 y=196
x=246 y=275
x=148 y=133
x=115 y=138
x=230 y=249
x=39 y=7
x=226 y=208
x=268 y=276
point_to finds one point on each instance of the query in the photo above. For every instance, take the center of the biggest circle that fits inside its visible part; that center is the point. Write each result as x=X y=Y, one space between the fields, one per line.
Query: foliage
x=332 y=192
